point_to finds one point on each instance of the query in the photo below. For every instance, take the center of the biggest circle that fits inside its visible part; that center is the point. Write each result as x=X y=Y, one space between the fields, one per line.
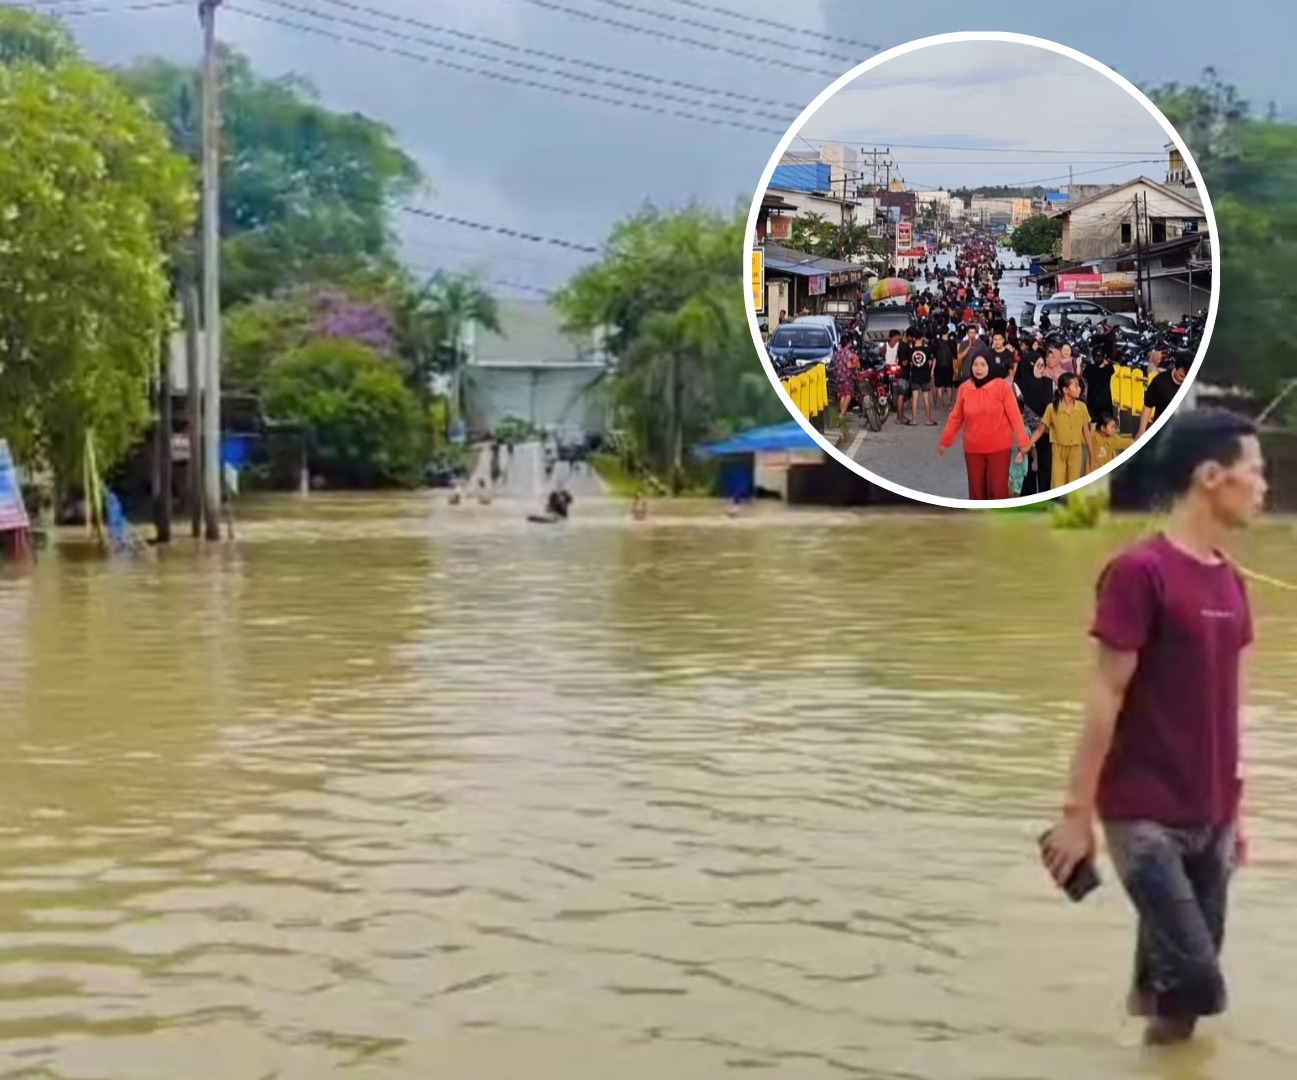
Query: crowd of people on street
x=1032 y=417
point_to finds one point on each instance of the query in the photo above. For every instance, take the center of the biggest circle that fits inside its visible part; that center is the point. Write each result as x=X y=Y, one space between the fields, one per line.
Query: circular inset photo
x=982 y=269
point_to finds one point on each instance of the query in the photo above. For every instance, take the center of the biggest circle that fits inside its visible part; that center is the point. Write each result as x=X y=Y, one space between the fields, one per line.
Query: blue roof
x=811 y=176
x=777 y=439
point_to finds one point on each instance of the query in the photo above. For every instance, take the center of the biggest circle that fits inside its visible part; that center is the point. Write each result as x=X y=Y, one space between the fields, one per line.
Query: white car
x=1077 y=311
x=827 y=321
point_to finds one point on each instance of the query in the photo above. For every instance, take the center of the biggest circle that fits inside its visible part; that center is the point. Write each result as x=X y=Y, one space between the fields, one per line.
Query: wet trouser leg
x=1178 y=883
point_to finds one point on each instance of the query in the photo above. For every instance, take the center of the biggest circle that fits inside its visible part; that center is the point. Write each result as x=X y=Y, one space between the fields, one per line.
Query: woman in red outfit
x=987 y=411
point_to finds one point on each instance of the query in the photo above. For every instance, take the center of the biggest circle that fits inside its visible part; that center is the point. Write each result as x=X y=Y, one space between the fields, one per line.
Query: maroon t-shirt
x=1175 y=751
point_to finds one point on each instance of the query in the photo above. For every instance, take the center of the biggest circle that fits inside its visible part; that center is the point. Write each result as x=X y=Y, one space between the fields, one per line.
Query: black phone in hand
x=1084 y=878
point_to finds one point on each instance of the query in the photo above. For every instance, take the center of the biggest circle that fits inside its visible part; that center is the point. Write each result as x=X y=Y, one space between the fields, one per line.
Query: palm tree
x=454 y=302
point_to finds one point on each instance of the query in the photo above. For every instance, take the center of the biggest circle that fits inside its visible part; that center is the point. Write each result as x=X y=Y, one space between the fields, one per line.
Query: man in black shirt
x=903 y=384
x=1003 y=360
x=1162 y=390
x=921 y=379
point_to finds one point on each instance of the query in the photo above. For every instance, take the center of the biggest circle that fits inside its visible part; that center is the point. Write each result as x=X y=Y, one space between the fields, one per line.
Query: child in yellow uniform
x=1067 y=423
x=1106 y=443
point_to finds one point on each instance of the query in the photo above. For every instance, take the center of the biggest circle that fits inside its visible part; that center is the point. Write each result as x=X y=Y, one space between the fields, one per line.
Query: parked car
x=1077 y=311
x=798 y=342
x=827 y=321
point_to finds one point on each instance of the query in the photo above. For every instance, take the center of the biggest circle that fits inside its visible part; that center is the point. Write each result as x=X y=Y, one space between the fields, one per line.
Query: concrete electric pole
x=211 y=248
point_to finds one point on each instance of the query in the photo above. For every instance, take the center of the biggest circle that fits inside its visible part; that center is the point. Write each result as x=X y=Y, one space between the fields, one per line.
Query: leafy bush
x=364 y=424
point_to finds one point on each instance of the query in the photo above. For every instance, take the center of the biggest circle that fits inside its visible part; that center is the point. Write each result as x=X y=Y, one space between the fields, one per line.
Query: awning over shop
x=780 y=259
x=777 y=439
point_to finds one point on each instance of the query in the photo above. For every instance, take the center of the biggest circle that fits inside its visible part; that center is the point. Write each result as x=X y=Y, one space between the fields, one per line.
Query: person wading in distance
x=1158 y=762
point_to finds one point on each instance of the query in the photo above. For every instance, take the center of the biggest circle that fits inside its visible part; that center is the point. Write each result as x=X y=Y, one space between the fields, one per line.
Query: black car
x=791 y=344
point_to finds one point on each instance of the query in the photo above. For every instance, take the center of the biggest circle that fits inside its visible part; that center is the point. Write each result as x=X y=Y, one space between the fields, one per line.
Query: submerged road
x=524 y=475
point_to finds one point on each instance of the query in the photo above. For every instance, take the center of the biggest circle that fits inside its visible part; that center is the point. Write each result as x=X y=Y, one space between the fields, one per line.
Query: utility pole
x=194 y=409
x=212 y=469
x=1139 y=260
x=162 y=478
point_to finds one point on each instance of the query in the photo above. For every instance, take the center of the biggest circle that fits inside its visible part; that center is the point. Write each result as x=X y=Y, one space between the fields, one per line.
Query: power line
x=543 y=54
x=998 y=164
x=742 y=35
x=503 y=283
x=523 y=65
x=663 y=35
x=533 y=238
x=775 y=24
x=986 y=149
x=1038 y=180
x=61 y=13
x=499 y=76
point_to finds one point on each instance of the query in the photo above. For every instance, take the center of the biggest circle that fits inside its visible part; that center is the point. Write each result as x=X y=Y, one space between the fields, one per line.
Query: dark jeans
x=1039 y=481
x=1178 y=882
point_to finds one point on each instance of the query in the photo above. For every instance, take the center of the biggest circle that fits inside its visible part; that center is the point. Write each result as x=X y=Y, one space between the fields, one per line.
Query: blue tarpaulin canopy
x=778 y=439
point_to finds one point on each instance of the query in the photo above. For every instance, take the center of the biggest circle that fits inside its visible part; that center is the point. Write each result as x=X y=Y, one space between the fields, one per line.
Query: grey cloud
x=531 y=159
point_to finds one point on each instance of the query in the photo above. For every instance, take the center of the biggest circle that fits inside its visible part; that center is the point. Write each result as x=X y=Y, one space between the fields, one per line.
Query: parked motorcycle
x=874 y=389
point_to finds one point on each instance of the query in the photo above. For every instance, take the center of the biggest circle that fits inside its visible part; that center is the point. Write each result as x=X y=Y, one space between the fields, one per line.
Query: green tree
x=817 y=235
x=92 y=200
x=666 y=295
x=1250 y=167
x=1038 y=235
x=304 y=190
x=363 y=423
x=450 y=304
x=28 y=38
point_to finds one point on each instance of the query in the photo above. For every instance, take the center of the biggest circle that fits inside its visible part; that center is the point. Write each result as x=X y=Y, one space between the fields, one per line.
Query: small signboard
x=13 y=511
x=759 y=279
x=817 y=285
x=1079 y=282
x=904 y=235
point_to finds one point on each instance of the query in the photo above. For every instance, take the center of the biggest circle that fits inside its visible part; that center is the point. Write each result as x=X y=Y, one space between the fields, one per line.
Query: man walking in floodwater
x=1158 y=761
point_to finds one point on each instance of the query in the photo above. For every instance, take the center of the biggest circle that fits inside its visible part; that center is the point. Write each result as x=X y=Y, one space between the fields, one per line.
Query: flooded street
x=393 y=791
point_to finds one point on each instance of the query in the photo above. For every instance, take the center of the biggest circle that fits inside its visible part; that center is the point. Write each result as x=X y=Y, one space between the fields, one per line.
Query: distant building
x=534 y=371
x=1177 y=169
x=1101 y=225
x=836 y=168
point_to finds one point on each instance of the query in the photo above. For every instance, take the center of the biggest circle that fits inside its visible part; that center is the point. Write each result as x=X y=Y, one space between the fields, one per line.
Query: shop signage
x=759 y=279
x=13 y=512
x=817 y=285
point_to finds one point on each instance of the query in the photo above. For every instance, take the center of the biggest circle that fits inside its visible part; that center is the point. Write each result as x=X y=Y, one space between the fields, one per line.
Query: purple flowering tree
x=343 y=318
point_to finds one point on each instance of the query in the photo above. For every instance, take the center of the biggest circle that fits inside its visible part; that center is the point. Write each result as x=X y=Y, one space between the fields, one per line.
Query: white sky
x=996 y=94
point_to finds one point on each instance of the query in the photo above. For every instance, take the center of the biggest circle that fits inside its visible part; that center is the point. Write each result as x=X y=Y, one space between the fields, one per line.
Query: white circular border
x=1019 y=39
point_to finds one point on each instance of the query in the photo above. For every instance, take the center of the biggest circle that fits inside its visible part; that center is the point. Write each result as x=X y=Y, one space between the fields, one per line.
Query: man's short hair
x=1195 y=438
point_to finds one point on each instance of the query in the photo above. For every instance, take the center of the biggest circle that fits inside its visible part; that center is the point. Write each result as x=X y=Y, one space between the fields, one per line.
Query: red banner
x=1079 y=282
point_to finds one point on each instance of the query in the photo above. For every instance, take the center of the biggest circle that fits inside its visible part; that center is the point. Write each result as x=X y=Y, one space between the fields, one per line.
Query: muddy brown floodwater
x=393 y=791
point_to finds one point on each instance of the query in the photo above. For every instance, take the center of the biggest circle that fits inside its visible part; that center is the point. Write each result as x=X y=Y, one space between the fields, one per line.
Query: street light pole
x=211 y=248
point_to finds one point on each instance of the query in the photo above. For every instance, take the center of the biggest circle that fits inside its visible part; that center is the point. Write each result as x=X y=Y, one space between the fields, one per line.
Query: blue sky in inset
x=1035 y=112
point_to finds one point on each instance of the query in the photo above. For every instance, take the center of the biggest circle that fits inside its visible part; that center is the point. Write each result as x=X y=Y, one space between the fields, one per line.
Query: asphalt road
x=908 y=456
